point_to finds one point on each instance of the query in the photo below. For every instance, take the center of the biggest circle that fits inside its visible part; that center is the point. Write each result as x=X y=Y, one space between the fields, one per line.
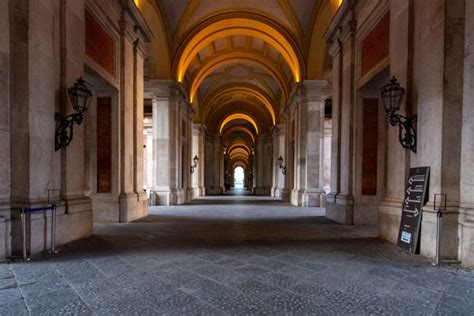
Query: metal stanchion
x=23 y=233
x=26 y=236
x=53 y=229
x=440 y=206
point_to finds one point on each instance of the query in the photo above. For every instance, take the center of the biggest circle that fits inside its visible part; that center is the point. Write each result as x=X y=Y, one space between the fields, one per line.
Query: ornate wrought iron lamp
x=281 y=166
x=195 y=163
x=392 y=97
x=80 y=97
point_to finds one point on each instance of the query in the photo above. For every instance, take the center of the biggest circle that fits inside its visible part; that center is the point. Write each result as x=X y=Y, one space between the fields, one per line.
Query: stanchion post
x=23 y=232
x=53 y=228
x=439 y=206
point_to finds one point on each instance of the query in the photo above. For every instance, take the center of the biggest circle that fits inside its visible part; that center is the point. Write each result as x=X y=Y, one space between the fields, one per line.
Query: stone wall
x=426 y=55
x=45 y=47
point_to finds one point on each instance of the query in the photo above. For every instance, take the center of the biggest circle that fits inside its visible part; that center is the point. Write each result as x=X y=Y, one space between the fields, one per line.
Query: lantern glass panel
x=392 y=96
x=196 y=160
x=280 y=160
x=80 y=96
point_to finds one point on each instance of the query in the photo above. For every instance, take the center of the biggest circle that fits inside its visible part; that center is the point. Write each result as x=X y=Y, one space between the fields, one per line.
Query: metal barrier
x=24 y=211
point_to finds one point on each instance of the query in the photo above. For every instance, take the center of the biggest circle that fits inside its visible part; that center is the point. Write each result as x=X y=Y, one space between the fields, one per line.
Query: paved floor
x=233 y=255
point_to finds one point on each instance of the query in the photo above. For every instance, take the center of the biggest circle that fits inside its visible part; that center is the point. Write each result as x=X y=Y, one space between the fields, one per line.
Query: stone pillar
x=5 y=180
x=167 y=141
x=279 y=189
x=148 y=133
x=250 y=173
x=398 y=158
x=311 y=96
x=41 y=67
x=198 y=150
x=213 y=165
x=467 y=147
x=340 y=202
x=263 y=164
x=132 y=199
x=325 y=159
x=438 y=55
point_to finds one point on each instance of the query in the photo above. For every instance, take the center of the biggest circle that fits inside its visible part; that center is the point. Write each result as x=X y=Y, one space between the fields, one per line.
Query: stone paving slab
x=222 y=257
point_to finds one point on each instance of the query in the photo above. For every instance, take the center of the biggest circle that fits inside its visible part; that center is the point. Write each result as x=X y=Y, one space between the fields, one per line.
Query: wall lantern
x=392 y=97
x=80 y=97
x=281 y=166
x=195 y=163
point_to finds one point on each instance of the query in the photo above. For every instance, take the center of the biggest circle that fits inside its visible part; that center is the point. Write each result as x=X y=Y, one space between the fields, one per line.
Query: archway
x=239 y=176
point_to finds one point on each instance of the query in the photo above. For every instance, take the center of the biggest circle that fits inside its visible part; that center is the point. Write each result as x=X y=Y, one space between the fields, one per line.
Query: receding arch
x=240 y=129
x=252 y=91
x=239 y=145
x=240 y=157
x=238 y=116
x=237 y=56
x=239 y=164
x=238 y=26
x=238 y=151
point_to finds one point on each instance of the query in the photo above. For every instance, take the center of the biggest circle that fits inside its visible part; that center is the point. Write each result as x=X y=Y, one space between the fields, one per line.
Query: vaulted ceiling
x=238 y=59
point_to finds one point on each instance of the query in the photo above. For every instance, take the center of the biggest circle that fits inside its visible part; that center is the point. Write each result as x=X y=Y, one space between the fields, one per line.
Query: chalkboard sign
x=415 y=198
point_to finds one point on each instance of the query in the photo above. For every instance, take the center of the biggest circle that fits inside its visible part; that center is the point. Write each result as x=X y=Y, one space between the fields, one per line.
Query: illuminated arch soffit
x=238 y=151
x=232 y=58
x=239 y=145
x=239 y=129
x=250 y=91
x=238 y=26
x=240 y=157
x=238 y=116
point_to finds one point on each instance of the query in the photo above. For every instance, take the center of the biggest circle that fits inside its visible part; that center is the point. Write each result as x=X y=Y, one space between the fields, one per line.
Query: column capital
x=166 y=90
x=314 y=90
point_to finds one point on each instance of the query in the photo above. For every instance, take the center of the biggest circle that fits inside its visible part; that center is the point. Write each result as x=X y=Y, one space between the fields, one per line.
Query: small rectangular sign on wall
x=415 y=199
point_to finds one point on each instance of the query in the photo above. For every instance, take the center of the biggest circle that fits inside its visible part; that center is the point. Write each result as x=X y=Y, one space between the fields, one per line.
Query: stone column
x=263 y=163
x=214 y=165
x=438 y=55
x=198 y=150
x=148 y=132
x=5 y=180
x=340 y=202
x=132 y=199
x=398 y=159
x=467 y=147
x=42 y=67
x=279 y=189
x=139 y=54
x=165 y=97
x=311 y=96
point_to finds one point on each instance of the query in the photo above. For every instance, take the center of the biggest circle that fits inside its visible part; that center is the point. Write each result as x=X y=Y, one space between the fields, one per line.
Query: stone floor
x=233 y=255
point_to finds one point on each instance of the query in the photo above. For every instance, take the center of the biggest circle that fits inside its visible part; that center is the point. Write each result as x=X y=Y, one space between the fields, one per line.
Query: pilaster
x=311 y=97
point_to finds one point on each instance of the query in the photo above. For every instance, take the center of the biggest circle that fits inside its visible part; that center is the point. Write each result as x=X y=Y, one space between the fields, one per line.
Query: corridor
x=233 y=254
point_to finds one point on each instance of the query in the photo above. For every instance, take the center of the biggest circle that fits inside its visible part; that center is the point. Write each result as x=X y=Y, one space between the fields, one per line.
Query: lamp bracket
x=407 y=130
x=65 y=130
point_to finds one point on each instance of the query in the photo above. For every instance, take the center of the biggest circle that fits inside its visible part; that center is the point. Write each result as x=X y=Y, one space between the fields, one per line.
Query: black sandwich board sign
x=415 y=198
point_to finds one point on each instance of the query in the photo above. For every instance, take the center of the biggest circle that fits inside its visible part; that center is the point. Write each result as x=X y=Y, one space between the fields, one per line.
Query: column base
x=312 y=198
x=214 y=190
x=449 y=233
x=132 y=206
x=5 y=230
x=296 y=197
x=282 y=194
x=262 y=191
x=467 y=236
x=169 y=197
x=340 y=208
